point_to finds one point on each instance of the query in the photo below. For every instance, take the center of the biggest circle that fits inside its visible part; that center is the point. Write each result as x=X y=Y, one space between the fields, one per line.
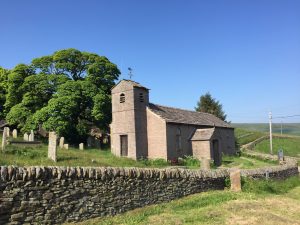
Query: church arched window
x=178 y=139
x=122 y=98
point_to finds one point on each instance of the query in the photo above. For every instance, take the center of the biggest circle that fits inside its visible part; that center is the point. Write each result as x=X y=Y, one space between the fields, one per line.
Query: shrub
x=190 y=161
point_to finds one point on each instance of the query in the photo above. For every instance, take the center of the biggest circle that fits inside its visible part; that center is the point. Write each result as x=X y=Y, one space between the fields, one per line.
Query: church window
x=122 y=98
x=178 y=139
x=141 y=97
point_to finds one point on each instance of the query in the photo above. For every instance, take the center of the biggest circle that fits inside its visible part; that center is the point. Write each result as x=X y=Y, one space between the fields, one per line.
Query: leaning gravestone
x=81 y=146
x=205 y=163
x=235 y=179
x=7 y=131
x=15 y=133
x=4 y=139
x=52 y=146
x=61 y=142
x=66 y=146
x=25 y=137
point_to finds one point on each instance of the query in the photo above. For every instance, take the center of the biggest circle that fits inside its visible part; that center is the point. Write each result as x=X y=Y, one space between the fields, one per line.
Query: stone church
x=141 y=129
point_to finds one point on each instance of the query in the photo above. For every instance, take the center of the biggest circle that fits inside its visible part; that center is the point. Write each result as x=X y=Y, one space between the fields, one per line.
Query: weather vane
x=130 y=72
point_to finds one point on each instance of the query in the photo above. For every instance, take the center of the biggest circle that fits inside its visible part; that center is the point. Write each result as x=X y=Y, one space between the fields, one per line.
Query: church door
x=216 y=152
x=124 y=145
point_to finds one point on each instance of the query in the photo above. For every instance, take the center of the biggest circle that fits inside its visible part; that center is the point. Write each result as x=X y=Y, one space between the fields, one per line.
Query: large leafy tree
x=3 y=90
x=69 y=112
x=67 y=92
x=210 y=105
x=16 y=78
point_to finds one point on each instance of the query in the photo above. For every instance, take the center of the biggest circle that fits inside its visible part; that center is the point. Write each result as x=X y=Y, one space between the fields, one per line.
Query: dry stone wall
x=49 y=195
x=53 y=195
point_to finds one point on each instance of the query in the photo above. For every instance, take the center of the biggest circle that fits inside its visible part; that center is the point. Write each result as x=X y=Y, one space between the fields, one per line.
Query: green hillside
x=287 y=128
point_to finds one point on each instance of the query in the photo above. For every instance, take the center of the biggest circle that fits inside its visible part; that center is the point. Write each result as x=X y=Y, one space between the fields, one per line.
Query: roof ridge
x=183 y=109
x=132 y=82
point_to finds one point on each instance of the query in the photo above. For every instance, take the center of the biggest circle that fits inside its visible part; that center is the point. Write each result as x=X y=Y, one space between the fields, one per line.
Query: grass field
x=287 y=128
x=244 y=162
x=290 y=146
x=37 y=156
x=244 y=136
x=261 y=202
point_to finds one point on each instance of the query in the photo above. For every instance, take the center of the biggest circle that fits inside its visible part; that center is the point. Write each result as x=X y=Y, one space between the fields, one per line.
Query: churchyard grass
x=261 y=202
x=37 y=156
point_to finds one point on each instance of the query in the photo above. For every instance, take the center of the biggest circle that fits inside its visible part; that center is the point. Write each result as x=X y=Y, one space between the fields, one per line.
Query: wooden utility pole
x=270 y=122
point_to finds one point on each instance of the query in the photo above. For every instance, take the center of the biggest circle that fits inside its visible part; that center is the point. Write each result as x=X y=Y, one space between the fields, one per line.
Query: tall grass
x=270 y=186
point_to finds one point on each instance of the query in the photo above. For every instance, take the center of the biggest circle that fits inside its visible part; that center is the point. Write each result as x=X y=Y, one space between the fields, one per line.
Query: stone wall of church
x=224 y=135
x=157 y=137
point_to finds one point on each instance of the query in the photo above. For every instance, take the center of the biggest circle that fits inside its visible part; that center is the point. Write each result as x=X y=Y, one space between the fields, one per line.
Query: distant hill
x=287 y=128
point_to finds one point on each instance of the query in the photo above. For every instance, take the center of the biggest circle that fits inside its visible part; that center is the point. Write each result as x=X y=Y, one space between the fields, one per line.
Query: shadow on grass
x=66 y=158
x=227 y=161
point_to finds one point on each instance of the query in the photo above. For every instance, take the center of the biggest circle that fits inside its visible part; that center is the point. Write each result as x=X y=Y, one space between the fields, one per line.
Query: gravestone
x=205 y=163
x=66 y=146
x=52 y=146
x=7 y=132
x=4 y=139
x=25 y=137
x=15 y=133
x=31 y=136
x=81 y=146
x=280 y=156
x=90 y=141
x=97 y=143
x=235 y=179
x=61 y=142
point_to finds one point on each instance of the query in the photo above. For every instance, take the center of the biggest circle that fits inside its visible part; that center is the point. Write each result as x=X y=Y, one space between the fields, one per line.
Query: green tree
x=18 y=116
x=16 y=78
x=210 y=105
x=3 y=90
x=38 y=89
x=77 y=65
x=69 y=112
x=67 y=92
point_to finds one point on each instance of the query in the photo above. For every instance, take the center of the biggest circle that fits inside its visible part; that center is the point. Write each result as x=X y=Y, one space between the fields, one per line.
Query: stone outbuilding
x=141 y=129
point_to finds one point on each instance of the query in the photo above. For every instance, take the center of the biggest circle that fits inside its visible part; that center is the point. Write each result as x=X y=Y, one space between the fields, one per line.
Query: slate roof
x=175 y=115
x=203 y=134
x=133 y=83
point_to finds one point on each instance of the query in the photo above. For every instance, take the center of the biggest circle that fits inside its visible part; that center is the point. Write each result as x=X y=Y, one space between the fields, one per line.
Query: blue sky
x=246 y=53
